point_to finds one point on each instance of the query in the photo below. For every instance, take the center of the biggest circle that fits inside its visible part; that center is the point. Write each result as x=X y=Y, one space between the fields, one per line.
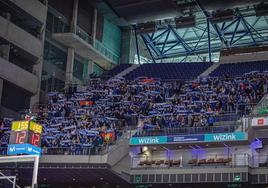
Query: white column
x=37 y=69
x=74 y=16
x=70 y=52
x=69 y=67
x=94 y=23
x=90 y=67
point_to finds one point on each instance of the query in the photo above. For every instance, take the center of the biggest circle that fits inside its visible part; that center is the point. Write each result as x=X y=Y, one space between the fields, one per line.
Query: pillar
x=69 y=67
x=38 y=67
x=125 y=46
x=70 y=51
x=94 y=23
x=74 y=16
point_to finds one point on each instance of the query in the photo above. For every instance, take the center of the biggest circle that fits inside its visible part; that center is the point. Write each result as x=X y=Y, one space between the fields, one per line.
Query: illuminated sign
x=236 y=136
x=35 y=127
x=15 y=149
x=19 y=125
x=25 y=137
x=186 y=138
x=225 y=137
x=148 y=140
x=259 y=121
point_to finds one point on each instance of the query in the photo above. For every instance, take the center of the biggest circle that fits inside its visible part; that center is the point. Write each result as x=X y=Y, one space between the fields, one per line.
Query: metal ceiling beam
x=180 y=40
x=206 y=38
x=137 y=45
x=214 y=25
x=163 y=47
x=147 y=47
x=150 y=44
x=245 y=25
x=209 y=40
x=234 y=33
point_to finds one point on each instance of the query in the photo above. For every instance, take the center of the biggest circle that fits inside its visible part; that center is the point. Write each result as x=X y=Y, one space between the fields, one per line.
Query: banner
x=107 y=136
x=218 y=137
x=259 y=121
x=187 y=138
x=148 y=140
x=236 y=136
x=86 y=103
x=15 y=149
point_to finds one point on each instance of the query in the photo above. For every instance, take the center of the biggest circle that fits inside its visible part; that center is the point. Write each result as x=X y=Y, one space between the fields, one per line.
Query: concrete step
x=210 y=69
x=128 y=70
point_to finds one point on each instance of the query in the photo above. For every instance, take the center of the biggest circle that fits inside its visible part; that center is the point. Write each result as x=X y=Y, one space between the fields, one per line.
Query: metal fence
x=235 y=160
x=186 y=130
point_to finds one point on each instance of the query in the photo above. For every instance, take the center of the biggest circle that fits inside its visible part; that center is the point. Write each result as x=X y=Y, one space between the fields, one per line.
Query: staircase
x=119 y=159
x=210 y=69
x=122 y=168
x=128 y=70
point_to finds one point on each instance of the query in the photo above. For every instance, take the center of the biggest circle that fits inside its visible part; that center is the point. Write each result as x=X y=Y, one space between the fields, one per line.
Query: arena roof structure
x=192 y=30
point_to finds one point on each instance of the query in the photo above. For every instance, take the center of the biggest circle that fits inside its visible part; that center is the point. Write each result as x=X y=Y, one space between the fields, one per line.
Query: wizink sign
x=218 y=137
x=225 y=137
x=148 y=140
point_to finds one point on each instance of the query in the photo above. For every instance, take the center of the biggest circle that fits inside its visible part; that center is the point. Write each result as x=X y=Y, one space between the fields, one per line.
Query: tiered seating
x=118 y=69
x=94 y=115
x=182 y=71
x=238 y=69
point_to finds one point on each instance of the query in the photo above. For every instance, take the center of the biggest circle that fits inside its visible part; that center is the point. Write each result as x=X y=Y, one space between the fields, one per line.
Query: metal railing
x=186 y=130
x=227 y=161
x=97 y=45
x=91 y=150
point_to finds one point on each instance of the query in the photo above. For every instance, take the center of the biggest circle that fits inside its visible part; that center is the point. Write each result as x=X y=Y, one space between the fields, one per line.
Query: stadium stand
x=118 y=69
x=133 y=94
x=238 y=69
x=166 y=71
x=89 y=120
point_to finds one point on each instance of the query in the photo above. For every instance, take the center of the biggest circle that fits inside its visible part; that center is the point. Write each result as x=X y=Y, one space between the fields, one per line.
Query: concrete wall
x=18 y=76
x=246 y=57
x=20 y=38
x=120 y=150
x=190 y=171
x=34 y=8
x=97 y=159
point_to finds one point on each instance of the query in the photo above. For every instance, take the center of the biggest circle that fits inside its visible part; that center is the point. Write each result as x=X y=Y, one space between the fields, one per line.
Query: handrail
x=187 y=130
x=97 y=45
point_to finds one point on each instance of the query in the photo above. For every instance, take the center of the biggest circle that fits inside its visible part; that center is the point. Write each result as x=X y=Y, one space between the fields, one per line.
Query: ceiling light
x=145 y=148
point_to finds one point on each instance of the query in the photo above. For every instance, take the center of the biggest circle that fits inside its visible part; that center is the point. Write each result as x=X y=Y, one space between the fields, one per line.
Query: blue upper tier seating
x=182 y=71
x=238 y=69
x=118 y=69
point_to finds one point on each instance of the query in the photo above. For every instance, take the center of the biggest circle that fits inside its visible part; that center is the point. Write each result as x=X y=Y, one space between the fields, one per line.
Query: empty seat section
x=182 y=71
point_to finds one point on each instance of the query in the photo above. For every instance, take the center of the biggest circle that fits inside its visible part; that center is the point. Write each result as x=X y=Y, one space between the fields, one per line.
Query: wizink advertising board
x=219 y=137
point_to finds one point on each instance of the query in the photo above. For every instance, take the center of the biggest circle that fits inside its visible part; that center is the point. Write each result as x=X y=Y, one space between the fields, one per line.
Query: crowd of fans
x=94 y=116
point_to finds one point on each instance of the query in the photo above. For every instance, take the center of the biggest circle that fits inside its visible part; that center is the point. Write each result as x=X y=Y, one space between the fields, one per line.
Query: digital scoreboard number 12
x=25 y=138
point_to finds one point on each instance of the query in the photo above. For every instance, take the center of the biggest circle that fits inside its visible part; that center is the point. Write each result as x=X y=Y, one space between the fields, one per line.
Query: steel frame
x=170 y=42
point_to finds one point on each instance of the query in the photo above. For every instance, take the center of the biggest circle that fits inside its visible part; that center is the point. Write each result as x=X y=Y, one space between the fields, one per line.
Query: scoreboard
x=25 y=138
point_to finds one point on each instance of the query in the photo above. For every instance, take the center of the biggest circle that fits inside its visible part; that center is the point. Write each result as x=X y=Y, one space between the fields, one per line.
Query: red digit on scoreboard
x=20 y=137
x=35 y=139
